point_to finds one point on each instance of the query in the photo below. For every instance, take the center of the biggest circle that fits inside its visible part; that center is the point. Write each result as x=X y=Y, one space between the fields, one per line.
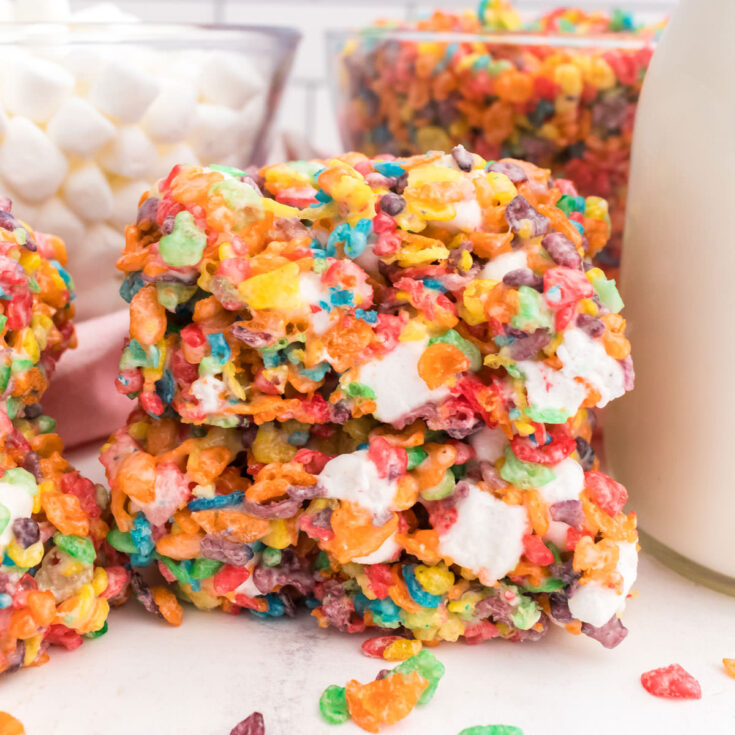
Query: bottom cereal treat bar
x=54 y=587
x=409 y=530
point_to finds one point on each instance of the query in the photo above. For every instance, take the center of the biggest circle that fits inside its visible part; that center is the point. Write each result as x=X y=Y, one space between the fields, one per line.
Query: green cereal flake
x=185 y=245
x=492 y=730
x=428 y=666
x=524 y=475
x=78 y=547
x=333 y=705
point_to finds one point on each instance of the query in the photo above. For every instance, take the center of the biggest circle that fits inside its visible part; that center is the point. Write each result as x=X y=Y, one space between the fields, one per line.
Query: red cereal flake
x=671 y=682
x=611 y=496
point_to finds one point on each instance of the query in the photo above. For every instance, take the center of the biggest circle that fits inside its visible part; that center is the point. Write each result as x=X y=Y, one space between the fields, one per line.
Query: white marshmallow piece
x=46 y=11
x=170 y=156
x=125 y=198
x=215 y=132
x=123 y=91
x=229 y=79
x=171 y=115
x=131 y=154
x=30 y=162
x=88 y=194
x=34 y=87
x=55 y=217
x=79 y=128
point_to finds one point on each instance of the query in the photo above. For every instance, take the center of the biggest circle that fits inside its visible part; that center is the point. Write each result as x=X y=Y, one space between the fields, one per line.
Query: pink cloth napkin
x=82 y=395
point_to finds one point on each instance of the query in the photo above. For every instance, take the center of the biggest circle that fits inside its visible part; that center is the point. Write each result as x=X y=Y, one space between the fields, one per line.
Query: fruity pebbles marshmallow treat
x=438 y=310
x=53 y=589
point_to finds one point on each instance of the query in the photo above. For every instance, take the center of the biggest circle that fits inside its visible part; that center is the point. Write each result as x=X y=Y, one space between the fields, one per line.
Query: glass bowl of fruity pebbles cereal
x=560 y=91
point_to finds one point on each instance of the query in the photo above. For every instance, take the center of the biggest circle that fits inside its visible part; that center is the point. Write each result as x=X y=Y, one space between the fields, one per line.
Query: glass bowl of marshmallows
x=92 y=113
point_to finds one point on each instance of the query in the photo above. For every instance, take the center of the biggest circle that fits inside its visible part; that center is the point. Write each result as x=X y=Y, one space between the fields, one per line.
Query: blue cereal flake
x=218 y=501
x=317 y=372
x=578 y=225
x=341 y=297
x=417 y=592
x=166 y=387
x=219 y=348
x=341 y=233
x=131 y=285
x=389 y=168
x=433 y=284
x=298 y=438
x=142 y=535
x=371 y=317
x=323 y=197
x=354 y=238
x=553 y=294
x=385 y=612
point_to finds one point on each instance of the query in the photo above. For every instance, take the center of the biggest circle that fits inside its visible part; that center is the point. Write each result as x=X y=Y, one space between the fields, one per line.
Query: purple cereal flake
x=512 y=170
x=462 y=158
x=519 y=211
x=382 y=674
x=568 y=511
x=590 y=325
x=322 y=518
x=336 y=605
x=286 y=508
x=562 y=250
x=609 y=635
x=228 y=552
x=15 y=659
x=559 y=607
x=565 y=572
x=526 y=347
x=167 y=227
x=392 y=204
x=426 y=412
x=291 y=572
x=249 y=337
x=32 y=463
x=628 y=373
x=147 y=211
x=305 y=492
x=6 y=204
x=290 y=229
x=491 y=476
x=143 y=593
x=33 y=411
x=586 y=453
x=523 y=277
x=251 y=725
x=26 y=532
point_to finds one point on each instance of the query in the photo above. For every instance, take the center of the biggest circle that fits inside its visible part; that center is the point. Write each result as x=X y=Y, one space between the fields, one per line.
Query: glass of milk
x=670 y=441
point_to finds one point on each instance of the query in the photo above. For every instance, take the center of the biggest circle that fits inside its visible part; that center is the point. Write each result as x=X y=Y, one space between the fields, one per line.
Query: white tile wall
x=306 y=111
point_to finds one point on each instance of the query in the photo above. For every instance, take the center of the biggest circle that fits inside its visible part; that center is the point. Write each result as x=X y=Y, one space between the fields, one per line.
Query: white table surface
x=147 y=678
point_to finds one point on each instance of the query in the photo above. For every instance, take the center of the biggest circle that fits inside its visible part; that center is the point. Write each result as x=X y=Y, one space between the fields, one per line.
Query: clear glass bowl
x=92 y=114
x=565 y=102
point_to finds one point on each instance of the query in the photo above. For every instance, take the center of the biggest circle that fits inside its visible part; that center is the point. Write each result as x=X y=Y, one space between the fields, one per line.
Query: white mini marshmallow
x=34 y=87
x=88 y=194
x=79 y=128
x=32 y=165
x=123 y=91
x=125 y=198
x=47 y=11
x=55 y=217
x=229 y=79
x=171 y=115
x=170 y=155
x=131 y=154
x=215 y=132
